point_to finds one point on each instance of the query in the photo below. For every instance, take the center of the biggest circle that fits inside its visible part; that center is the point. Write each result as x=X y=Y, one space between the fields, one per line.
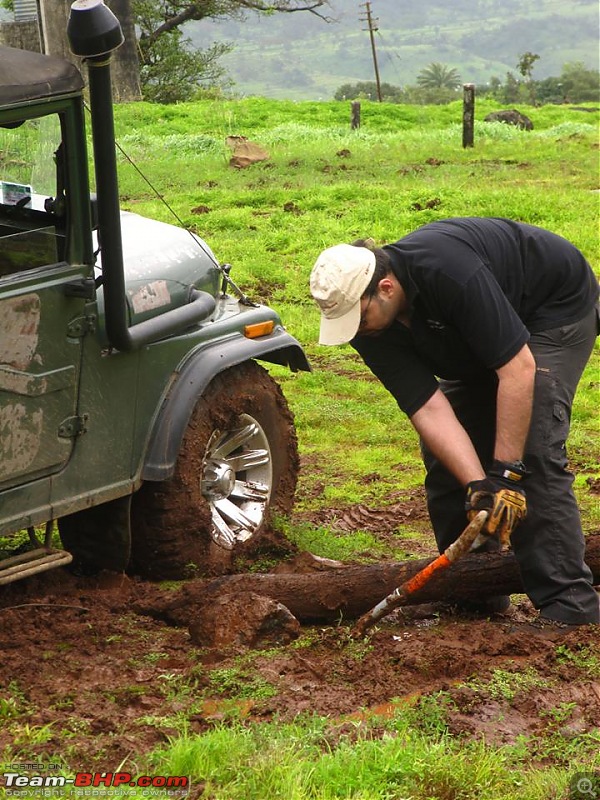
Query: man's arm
x=514 y=403
x=441 y=431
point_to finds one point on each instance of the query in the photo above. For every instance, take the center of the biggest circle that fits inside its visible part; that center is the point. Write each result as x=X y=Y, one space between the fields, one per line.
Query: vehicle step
x=31 y=563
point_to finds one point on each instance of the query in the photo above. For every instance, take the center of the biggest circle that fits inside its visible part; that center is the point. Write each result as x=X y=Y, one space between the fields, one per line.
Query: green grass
x=402 y=160
x=342 y=547
x=582 y=658
x=403 y=168
x=506 y=684
x=544 y=177
x=301 y=761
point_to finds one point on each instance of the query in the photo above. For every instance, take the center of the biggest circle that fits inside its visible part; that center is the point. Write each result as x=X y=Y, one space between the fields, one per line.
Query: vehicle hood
x=162 y=263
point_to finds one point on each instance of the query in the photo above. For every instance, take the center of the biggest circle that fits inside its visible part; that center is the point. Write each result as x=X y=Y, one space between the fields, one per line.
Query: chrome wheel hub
x=218 y=481
x=237 y=478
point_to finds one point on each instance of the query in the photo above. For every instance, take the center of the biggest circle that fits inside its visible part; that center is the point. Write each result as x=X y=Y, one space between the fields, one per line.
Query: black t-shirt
x=476 y=287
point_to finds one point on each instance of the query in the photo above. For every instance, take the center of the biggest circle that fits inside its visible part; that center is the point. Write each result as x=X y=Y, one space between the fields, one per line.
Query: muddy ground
x=89 y=679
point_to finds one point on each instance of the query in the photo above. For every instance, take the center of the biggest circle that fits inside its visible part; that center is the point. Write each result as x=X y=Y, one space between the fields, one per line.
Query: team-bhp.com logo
x=89 y=780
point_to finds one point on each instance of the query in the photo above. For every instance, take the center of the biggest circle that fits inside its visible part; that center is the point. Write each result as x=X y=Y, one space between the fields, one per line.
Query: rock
x=242 y=619
x=245 y=153
x=511 y=117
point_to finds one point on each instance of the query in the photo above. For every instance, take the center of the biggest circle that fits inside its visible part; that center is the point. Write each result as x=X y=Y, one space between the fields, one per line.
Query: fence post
x=468 y=114
x=355 y=115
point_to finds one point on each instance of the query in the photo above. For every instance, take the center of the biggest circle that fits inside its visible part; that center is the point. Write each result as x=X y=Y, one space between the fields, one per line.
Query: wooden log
x=346 y=592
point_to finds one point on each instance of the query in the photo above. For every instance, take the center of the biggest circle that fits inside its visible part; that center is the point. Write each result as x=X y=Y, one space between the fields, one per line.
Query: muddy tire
x=238 y=462
x=98 y=538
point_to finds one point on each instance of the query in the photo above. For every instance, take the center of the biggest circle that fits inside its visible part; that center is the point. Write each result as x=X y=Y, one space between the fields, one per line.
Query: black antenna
x=371 y=22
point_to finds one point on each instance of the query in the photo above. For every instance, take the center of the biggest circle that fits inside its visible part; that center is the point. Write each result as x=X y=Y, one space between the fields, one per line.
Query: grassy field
x=324 y=184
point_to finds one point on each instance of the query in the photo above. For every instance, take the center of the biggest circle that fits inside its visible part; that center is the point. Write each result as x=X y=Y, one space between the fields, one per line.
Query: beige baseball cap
x=337 y=282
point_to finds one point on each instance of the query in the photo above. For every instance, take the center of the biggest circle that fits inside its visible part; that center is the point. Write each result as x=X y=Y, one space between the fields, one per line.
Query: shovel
x=400 y=595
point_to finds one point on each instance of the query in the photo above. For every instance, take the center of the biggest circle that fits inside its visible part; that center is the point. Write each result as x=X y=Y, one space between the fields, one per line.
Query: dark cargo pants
x=549 y=544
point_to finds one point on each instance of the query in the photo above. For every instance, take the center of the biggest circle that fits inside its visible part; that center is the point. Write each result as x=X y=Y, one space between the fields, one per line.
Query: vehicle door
x=40 y=322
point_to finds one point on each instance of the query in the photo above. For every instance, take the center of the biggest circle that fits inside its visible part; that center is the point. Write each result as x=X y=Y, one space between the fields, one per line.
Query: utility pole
x=371 y=22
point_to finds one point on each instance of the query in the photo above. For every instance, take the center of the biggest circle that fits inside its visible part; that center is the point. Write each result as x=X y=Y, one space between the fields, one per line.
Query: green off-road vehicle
x=132 y=408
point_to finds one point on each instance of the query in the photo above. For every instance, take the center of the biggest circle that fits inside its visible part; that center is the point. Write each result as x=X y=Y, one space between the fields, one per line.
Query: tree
x=579 y=84
x=172 y=14
x=368 y=91
x=171 y=70
x=525 y=67
x=512 y=89
x=438 y=76
x=53 y=15
x=549 y=90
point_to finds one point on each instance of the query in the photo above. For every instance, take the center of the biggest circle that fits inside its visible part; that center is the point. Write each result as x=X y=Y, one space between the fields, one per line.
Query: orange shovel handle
x=401 y=594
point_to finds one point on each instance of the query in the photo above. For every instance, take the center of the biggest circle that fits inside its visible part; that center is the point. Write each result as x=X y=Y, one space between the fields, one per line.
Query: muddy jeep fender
x=192 y=379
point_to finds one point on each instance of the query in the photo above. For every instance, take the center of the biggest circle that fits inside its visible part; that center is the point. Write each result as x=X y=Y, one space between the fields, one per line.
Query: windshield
x=31 y=203
x=28 y=162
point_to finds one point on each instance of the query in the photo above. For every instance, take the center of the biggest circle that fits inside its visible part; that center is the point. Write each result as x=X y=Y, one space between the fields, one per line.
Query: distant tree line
x=439 y=84
x=170 y=68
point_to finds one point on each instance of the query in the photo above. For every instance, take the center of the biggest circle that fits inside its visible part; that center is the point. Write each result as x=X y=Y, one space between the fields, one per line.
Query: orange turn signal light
x=259 y=329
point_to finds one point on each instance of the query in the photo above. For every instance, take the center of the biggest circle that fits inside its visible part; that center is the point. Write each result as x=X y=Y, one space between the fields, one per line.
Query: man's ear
x=386 y=287
x=368 y=243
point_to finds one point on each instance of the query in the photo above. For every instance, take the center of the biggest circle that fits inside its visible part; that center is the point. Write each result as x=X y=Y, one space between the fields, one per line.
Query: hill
x=298 y=56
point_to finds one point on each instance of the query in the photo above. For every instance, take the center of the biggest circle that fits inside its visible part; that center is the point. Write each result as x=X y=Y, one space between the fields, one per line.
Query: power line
x=390 y=57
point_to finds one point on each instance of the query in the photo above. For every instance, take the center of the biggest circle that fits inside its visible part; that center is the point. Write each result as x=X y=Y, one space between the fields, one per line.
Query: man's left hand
x=501 y=494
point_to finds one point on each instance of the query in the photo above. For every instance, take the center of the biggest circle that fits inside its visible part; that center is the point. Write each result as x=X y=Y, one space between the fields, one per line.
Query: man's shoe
x=544 y=628
x=484 y=607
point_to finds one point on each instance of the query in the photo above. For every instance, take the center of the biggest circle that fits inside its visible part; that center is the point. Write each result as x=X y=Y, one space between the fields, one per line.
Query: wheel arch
x=196 y=374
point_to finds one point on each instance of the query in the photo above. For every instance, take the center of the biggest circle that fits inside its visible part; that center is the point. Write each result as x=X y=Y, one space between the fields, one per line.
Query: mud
x=81 y=664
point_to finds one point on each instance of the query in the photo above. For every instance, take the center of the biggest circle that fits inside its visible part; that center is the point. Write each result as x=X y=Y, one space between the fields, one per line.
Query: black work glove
x=502 y=495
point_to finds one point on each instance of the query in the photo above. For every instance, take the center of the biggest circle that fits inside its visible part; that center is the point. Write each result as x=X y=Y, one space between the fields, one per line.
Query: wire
x=223 y=269
x=160 y=197
x=389 y=57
